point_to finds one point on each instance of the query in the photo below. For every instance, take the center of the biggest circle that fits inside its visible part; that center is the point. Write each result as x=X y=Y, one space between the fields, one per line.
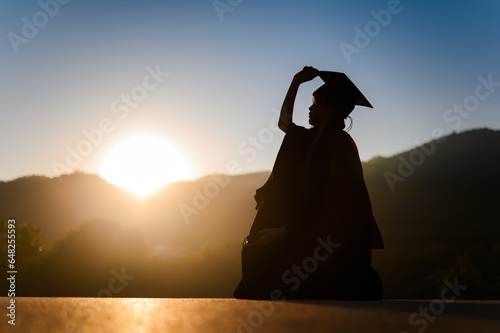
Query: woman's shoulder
x=342 y=148
x=299 y=131
x=341 y=138
x=293 y=127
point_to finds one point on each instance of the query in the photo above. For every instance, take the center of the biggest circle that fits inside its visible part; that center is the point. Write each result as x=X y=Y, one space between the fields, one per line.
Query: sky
x=208 y=77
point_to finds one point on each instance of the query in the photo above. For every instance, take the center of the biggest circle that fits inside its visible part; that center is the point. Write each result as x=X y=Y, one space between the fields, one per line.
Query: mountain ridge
x=443 y=212
x=455 y=156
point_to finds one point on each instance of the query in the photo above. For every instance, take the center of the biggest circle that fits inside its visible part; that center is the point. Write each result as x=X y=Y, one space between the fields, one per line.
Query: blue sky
x=228 y=71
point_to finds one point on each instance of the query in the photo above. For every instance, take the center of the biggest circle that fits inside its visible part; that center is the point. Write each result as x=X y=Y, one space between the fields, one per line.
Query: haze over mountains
x=437 y=207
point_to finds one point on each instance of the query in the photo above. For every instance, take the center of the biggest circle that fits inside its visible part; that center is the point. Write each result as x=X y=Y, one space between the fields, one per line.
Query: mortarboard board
x=339 y=85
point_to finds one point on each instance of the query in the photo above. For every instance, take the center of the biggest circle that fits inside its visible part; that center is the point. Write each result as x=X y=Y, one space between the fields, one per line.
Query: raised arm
x=306 y=74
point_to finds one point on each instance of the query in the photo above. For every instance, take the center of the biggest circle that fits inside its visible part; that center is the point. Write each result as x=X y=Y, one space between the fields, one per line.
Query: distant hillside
x=61 y=204
x=210 y=210
x=451 y=195
x=437 y=207
x=442 y=217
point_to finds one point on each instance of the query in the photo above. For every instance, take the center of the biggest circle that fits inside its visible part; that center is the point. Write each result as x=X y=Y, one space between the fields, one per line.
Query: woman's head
x=335 y=100
x=330 y=108
x=319 y=112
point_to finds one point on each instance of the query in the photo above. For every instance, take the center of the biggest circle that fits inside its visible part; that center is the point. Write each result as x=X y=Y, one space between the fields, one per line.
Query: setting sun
x=143 y=163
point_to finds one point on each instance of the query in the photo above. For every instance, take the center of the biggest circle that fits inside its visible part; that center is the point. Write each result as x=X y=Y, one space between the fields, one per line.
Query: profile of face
x=319 y=112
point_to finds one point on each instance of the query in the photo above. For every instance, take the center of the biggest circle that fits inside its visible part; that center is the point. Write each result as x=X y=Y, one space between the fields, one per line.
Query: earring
x=350 y=125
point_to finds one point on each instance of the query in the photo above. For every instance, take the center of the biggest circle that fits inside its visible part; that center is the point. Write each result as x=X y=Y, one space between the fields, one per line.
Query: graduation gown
x=316 y=189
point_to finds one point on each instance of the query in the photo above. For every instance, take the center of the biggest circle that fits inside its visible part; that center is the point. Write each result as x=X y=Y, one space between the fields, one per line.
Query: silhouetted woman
x=314 y=230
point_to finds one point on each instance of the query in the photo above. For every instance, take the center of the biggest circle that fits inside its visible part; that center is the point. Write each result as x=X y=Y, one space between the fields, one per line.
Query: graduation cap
x=340 y=88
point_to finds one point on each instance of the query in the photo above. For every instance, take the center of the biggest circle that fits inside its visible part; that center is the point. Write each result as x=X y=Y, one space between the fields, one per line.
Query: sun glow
x=144 y=163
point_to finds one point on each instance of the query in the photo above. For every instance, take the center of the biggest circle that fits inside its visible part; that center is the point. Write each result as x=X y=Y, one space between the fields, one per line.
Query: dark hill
x=450 y=195
x=441 y=218
x=436 y=205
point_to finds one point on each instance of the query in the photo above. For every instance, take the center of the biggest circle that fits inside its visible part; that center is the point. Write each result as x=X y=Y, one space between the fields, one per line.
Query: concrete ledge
x=81 y=315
